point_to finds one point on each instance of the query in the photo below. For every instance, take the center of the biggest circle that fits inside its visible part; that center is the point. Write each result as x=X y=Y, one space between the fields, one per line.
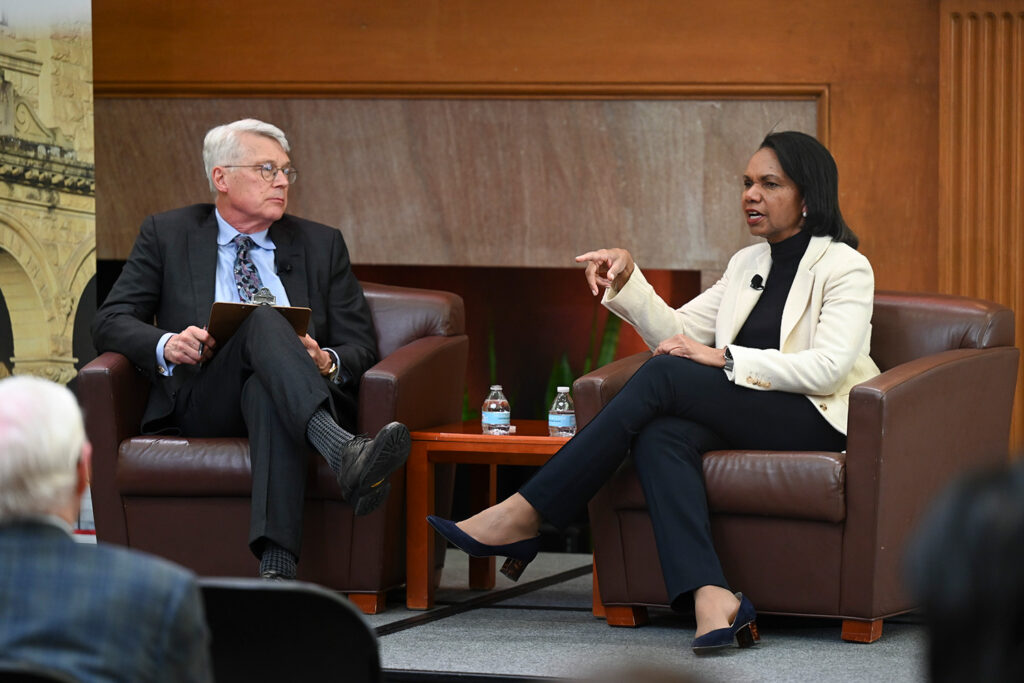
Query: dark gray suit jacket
x=169 y=280
x=98 y=612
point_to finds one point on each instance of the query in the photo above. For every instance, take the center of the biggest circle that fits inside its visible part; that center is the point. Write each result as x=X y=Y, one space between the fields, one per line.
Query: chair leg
x=369 y=603
x=626 y=616
x=617 y=615
x=855 y=631
x=597 y=607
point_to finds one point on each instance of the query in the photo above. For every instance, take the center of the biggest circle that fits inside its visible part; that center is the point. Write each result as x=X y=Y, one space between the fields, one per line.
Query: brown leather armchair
x=817 y=533
x=188 y=499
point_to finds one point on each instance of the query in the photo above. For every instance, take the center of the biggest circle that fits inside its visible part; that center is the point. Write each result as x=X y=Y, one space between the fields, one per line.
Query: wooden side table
x=464 y=444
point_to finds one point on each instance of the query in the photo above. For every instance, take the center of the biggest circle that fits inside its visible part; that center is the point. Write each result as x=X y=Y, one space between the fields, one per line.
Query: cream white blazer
x=825 y=338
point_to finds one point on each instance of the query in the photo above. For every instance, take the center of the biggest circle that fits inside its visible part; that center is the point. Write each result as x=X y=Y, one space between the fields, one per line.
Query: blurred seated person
x=966 y=568
x=96 y=612
x=764 y=360
x=286 y=393
x=640 y=673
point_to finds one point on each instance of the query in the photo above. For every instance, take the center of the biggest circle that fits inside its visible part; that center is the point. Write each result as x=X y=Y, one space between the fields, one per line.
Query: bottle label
x=562 y=420
x=497 y=417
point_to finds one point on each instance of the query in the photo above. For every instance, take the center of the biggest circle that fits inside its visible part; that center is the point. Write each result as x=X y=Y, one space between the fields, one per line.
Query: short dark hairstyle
x=811 y=166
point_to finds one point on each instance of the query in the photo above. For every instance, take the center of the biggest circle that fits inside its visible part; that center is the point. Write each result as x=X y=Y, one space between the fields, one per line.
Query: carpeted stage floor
x=542 y=627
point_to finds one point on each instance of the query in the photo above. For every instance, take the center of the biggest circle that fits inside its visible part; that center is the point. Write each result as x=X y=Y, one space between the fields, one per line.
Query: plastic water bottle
x=496 y=416
x=562 y=416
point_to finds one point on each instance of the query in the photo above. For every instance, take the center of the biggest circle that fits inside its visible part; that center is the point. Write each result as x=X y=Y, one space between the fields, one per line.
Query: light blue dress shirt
x=262 y=255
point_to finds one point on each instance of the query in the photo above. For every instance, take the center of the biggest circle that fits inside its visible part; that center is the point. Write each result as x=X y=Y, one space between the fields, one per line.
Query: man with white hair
x=96 y=612
x=285 y=392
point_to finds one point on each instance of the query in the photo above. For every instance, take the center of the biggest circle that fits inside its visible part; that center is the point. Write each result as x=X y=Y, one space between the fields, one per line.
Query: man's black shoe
x=367 y=464
x=372 y=500
x=271 y=575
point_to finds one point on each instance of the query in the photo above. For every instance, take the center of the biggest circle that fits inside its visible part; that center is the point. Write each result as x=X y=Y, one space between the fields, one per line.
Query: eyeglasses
x=269 y=171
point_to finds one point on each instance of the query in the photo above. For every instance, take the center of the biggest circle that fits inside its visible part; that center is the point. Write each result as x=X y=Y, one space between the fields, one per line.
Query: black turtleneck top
x=764 y=324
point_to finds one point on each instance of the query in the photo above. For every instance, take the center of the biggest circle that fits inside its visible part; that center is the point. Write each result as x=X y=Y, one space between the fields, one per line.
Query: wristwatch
x=728 y=360
x=335 y=369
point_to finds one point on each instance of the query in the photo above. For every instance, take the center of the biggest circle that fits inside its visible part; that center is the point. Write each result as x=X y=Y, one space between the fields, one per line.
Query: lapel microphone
x=756 y=282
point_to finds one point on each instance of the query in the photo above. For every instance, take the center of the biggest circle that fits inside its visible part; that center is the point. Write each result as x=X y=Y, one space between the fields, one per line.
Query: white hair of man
x=223 y=146
x=41 y=441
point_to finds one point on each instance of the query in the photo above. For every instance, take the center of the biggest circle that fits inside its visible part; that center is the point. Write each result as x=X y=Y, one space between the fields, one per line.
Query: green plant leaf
x=467 y=411
x=589 y=360
x=609 y=340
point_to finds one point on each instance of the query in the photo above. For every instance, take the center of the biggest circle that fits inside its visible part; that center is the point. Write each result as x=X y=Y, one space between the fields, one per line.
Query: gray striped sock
x=327 y=437
x=277 y=559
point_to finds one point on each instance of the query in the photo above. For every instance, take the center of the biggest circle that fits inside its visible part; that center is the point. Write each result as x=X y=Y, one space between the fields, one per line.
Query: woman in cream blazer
x=822 y=351
x=764 y=359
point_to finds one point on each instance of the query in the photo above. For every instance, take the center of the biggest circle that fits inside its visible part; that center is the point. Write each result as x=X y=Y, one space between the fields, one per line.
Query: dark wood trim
x=253 y=89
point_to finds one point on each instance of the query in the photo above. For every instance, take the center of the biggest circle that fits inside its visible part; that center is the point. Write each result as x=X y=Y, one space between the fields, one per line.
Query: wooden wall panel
x=314 y=47
x=876 y=58
x=981 y=152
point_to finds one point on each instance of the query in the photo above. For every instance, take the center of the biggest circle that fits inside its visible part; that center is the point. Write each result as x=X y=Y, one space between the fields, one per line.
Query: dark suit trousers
x=263 y=384
x=667 y=415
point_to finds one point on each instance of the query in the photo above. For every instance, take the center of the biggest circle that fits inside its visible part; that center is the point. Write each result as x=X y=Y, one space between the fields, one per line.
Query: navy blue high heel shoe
x=742 y=631
x=518 y=554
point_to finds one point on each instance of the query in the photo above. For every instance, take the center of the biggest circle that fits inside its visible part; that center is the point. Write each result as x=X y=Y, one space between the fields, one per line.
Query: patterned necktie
x=247 y=278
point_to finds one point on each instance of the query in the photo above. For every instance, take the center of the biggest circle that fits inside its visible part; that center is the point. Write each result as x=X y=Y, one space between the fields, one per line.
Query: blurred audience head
x=966 y=570
x=43 y=451
x=642 y=673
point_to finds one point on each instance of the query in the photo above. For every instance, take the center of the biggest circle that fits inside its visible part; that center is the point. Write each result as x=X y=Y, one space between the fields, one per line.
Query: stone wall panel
x=47 y=193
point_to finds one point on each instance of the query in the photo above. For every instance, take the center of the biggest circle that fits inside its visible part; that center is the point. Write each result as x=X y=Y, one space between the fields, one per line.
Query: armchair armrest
x=423 y=347
x=420 y=384
x=404 y=314
x=592 y=391
x=912 y=429
x=113 y=395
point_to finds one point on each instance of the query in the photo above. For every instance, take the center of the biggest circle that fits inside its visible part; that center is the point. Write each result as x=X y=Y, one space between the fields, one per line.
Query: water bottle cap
x=563 y=390
x=495 y=387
